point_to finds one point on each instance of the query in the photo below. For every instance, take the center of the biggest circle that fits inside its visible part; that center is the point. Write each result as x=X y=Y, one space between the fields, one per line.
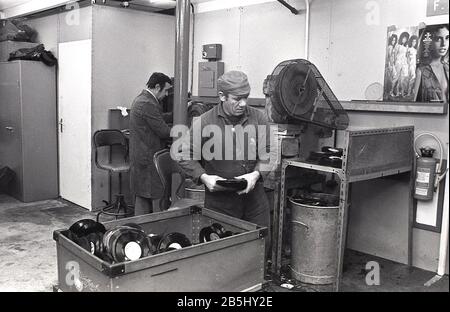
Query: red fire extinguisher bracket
x=428 y=169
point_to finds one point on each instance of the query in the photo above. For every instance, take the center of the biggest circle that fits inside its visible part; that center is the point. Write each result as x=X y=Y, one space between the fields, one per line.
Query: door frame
x=84 y=201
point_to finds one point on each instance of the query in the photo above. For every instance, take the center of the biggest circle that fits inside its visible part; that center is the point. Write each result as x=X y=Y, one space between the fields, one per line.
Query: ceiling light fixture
x=164 y=3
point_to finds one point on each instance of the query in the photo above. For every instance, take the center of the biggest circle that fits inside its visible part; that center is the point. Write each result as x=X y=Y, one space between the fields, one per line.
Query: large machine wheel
x=297 y=93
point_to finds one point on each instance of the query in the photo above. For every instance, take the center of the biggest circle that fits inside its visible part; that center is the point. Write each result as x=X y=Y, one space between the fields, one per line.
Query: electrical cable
x=441 y=149
x=440 y=172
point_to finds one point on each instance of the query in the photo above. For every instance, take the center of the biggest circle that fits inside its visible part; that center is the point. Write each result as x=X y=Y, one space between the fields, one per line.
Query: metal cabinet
x=28 y=136
x=368 y=153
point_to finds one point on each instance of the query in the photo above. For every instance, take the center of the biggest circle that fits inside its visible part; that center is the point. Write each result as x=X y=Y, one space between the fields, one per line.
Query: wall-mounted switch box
x=212 y=52
x=208 y=74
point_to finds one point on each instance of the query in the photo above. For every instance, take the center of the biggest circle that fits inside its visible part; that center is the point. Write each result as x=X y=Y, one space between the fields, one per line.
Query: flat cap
x=234 y=82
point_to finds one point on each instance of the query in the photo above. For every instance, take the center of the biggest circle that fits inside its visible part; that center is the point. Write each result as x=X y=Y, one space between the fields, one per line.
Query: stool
x=113 y=138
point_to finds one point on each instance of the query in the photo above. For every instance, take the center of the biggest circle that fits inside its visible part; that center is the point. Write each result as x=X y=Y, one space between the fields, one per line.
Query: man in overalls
x=225 y=154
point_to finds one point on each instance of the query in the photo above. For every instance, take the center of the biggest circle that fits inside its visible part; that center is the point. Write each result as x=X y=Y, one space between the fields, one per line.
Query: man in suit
x=149 y=132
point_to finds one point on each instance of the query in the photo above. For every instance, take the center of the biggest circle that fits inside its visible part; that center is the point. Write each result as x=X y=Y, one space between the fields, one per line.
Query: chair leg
x=118 y=204
x=110 y=190
x=98 y=215
x=120 y=182
x=125 y=210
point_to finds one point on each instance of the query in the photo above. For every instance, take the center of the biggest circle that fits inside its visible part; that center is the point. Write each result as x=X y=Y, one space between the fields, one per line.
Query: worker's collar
x=222 y=113
x=148 y=90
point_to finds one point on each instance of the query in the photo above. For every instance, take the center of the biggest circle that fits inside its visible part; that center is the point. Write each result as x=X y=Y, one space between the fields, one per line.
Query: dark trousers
x=252 y=207
x=142 y=205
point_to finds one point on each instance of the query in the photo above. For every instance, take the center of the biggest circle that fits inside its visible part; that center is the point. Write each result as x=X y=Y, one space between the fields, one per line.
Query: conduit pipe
x=443 y=247
x=308 y=14
x=296 y=12
x=181 y=75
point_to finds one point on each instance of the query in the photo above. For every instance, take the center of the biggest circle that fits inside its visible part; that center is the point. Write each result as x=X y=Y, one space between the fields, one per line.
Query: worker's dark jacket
x=253 y=206
x=148 y=134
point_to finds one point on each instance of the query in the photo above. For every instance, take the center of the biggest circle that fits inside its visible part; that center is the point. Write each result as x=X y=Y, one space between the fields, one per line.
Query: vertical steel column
x=345 y=192
x=183 y=15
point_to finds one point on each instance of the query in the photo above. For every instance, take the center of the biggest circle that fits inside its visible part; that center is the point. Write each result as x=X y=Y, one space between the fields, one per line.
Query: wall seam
x=93 y=167
x=241 y=12
x=330 y=44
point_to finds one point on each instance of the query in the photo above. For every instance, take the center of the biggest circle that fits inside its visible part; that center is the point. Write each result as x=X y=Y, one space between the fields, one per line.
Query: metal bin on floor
x=234 y=263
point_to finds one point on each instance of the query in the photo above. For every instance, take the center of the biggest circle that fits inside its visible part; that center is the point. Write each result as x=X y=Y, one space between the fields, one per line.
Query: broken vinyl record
x=233 y=184
x=173 y=241
x=125 y=243
x=213 y=232
x=88 y=234
x=85 y=227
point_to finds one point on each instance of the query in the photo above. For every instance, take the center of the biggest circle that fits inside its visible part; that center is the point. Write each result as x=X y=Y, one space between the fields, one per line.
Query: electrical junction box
x=208 y=74
x=212 y=52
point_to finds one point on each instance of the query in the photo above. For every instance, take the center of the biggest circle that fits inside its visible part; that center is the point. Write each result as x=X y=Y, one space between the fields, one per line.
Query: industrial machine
x=323 y=156
x=296 y=93
x=300 y=102
x=320 y=157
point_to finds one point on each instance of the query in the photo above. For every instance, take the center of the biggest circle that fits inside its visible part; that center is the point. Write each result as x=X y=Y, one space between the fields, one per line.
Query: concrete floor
x=28 y=254
x=394 y=277
x=27 y=249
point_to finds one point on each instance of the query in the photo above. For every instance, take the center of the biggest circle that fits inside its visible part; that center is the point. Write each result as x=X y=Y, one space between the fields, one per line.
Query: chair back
x=166 y=167
x=109 y=138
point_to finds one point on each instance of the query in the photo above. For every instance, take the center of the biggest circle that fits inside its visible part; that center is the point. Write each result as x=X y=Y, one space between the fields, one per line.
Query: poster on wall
x=400 y=64
x=432 y=68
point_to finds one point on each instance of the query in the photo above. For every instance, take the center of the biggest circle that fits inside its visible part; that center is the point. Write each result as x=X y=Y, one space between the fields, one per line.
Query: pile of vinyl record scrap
x=214 y=232
x=315 y=199
x=328 y=156
x=129 y=242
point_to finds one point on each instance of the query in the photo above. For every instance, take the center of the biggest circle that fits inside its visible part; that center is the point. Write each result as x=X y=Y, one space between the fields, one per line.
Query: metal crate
x=234 y=263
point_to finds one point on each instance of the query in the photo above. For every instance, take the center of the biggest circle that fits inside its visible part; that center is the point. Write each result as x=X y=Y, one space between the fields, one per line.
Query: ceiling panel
x=4 y=4
x=162 y=4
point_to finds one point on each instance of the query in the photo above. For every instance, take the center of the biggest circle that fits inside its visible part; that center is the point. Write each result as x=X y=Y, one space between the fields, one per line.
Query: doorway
x=74 y=118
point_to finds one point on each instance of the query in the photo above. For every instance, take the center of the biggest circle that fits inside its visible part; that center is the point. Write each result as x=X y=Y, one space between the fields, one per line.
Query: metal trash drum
x=195 y=193
x=314 y=236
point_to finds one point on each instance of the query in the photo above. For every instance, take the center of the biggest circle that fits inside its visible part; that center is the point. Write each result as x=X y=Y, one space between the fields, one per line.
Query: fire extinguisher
x=428 y=170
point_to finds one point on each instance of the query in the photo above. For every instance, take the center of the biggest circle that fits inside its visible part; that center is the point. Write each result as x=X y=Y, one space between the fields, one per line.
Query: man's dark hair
x=158 y=79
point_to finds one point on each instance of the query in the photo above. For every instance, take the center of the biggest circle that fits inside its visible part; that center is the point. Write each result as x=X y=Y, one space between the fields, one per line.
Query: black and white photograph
x=223 y=154
x=433 y=64
x=401 y=63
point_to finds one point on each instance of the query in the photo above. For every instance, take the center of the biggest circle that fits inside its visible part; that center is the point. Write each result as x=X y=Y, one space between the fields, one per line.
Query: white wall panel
x=347 y=44
x=128 y=45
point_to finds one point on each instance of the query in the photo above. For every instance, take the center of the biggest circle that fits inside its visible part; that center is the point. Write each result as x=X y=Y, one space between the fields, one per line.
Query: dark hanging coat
x=148 y=134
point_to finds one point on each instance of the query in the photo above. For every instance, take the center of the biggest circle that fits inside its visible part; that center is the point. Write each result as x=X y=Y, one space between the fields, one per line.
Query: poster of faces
x=432 y=68
x=401 y=64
